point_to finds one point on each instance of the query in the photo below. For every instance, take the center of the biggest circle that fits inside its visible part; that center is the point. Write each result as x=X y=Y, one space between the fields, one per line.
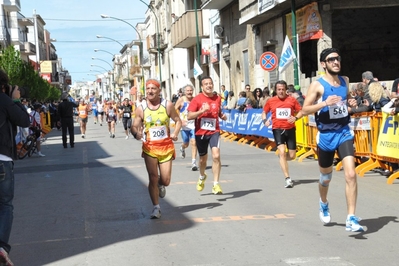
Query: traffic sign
x=268 y=61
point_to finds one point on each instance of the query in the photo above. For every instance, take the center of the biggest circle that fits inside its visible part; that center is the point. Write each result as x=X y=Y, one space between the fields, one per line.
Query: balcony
x=12 y=5
x=152 y=44
x=215 y=4
x=183 y=31
x=28 y=48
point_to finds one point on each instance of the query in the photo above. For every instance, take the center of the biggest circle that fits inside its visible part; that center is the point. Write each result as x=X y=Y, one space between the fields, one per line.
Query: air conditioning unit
x=218 y=31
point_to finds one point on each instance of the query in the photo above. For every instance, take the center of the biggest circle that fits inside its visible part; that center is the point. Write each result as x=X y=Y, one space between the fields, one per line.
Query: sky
x=74 y=25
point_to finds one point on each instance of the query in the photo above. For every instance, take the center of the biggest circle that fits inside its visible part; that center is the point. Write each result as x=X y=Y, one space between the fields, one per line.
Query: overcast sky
x=75 y=24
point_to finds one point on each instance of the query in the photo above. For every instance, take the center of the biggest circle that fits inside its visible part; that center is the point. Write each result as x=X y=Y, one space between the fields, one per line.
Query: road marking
x=231 y=218
x=195 y=182
x=316 y=261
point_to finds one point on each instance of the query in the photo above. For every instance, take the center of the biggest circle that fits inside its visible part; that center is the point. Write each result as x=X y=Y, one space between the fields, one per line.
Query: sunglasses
x=332 y=59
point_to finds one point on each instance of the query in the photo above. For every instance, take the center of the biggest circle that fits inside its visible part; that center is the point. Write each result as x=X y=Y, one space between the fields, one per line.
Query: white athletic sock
x=157 y=206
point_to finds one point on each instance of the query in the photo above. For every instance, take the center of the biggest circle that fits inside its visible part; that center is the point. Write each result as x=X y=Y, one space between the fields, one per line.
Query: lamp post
x=127 y=61
x=158 y=41
x=95 y=58
x=97 y=50
x=140 y=46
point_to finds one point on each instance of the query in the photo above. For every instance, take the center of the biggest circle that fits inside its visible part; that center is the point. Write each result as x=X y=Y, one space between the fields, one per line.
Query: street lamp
x=100 y=36
x=97 y=50
x=95 y=58
x=127 y=61
x=158 y=41
x=101 y=67
x=140 y=46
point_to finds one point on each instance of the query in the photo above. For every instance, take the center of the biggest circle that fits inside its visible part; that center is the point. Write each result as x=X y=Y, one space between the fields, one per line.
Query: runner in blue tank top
x=328 y=97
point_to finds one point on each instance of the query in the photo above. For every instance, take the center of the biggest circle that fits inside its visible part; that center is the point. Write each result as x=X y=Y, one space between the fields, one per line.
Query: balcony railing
x=152 y=43
x=183 y=31
x=28 y=48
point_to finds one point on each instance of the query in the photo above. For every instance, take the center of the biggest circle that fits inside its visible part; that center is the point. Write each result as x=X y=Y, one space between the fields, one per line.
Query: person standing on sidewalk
x=187 y=132
x=65 y=114
x=12 y=114
x=285 y=112
x=151 y=125
x=206 y=109
x=328 y=97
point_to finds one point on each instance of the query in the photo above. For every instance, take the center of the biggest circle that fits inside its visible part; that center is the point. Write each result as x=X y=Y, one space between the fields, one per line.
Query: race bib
x=283 y=113
x=208 y=123
x=82 y=112
x=339 y=110
x=158 y=133
x=126 y=115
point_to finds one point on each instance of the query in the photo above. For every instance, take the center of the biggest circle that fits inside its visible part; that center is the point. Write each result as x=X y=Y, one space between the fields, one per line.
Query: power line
x=94 y=41
x=62 y=19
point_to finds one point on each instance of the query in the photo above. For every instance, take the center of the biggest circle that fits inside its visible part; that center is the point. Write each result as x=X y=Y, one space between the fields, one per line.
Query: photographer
x=12 y=114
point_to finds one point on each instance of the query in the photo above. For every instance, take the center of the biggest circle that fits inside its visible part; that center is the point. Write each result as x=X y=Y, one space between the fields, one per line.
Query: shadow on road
x=74 y=201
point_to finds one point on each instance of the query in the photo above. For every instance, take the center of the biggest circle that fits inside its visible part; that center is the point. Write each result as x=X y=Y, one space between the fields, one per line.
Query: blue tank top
x=332 y=118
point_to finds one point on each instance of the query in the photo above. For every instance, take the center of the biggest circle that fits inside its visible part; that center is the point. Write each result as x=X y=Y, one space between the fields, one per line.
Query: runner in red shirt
x=283 y=108
x=206 y=109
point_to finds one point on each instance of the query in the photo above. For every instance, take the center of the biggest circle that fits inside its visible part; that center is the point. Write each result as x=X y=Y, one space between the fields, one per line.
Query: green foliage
x=23 y=74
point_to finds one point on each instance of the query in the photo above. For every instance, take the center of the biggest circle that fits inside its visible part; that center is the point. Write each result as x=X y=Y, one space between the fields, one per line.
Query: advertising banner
x=388 y=141
x=246 y=123
x=308 y=23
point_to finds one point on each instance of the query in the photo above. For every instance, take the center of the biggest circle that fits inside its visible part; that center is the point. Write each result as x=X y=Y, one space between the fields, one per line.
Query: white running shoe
x=324 y=213
x=40 y=154
x=182 y=152
x=289 y=183
x=127 y=137
x=156 y=213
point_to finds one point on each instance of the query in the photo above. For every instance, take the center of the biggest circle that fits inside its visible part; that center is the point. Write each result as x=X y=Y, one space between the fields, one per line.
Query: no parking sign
x=268 y=61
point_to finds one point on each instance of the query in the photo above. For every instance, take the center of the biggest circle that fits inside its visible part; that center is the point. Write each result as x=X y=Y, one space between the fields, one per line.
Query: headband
x=326 y=52
x=153 y=82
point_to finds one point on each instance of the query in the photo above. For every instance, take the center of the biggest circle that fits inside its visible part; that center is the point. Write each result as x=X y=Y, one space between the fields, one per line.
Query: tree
x=24 y=75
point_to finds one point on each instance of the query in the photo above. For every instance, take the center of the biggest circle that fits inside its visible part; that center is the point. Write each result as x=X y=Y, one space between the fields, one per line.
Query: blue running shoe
x=352 y=224
x=324 y=213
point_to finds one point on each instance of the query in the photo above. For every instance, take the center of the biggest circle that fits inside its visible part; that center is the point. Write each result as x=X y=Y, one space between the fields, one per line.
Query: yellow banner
x=388 y=141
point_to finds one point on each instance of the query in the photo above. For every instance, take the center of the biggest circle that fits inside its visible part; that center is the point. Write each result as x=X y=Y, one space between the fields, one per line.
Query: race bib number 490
x=283 y=113
x=208 y=123
x=158 y=133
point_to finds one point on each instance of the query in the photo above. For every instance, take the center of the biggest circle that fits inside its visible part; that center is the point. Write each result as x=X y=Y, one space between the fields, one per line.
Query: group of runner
x=108 y=111
x=199 y=125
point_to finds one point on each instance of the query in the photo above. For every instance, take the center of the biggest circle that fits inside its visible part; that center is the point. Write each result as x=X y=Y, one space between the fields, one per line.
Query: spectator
x=294 y=93
x=250 y=102
x=224 y=95
x=395 y=87
x=65 y=118
x=232 y=102
x=265 y=97
x=242 y=98
x=36 y=126
x=258 y=96
x=362 y=105
x=247 y=87
x=12 y=114
x=378 y=96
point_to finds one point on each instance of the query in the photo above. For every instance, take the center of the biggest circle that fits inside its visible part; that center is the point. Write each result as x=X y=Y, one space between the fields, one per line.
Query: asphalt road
x=90 y=206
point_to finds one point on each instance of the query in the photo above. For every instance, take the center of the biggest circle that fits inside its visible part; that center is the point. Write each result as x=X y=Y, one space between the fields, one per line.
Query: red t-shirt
x=281 y=110
x=208 y=122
